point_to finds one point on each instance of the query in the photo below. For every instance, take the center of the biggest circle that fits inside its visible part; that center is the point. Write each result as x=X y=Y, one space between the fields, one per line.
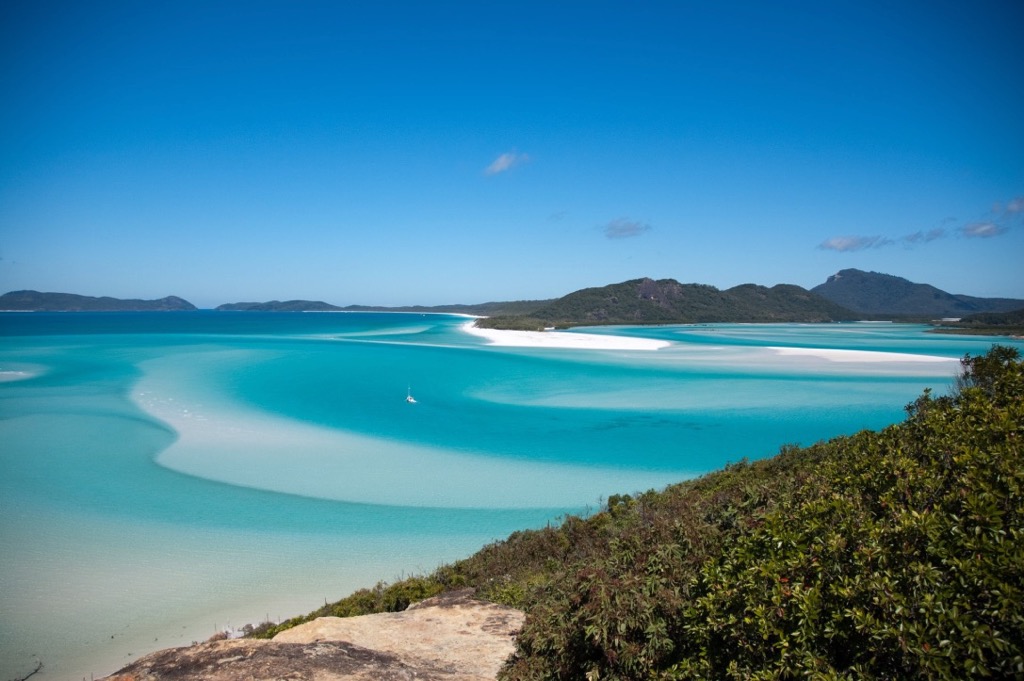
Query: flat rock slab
x=447 y=638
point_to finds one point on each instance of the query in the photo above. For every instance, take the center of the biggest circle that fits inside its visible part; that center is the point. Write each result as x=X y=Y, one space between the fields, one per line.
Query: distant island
x=279 y=306
x=35 y=301
x=666 y=301
x=872 y=293
x=478 y=309
x=848 y=295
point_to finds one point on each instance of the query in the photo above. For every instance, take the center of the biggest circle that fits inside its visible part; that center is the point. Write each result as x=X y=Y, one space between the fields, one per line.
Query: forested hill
x=666 y=301
x=872 y=293
x=895 y=554
x=70 y=302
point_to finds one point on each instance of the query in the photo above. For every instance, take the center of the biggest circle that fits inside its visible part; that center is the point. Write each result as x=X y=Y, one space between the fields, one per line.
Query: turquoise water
x=165 y=475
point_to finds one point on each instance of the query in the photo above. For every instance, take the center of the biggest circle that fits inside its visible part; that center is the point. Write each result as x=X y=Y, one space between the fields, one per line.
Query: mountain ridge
x=874 y=293
x=666 y=301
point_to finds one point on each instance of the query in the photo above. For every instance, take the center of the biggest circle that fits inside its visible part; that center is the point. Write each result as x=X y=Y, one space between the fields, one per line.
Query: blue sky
x=426 y=153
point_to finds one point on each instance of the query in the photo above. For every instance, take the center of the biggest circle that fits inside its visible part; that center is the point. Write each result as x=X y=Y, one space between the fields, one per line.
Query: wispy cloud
x=505 y=162
x=623 y=228
x=1001 y=219
x=922 y=237
x=845 y=244
x=982 y=230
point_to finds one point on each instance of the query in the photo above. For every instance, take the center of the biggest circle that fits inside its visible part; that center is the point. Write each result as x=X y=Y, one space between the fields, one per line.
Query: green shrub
x=897 y=554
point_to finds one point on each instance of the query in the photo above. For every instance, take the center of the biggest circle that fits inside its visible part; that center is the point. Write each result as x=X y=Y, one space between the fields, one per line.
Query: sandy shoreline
x=586 y=341
x=563 y=339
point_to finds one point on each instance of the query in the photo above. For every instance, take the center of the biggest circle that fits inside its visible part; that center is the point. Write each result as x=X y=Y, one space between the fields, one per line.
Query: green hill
x=666 y=301
x=871 y=293
x=69 y=302
x=889 y=555
x=279 y=306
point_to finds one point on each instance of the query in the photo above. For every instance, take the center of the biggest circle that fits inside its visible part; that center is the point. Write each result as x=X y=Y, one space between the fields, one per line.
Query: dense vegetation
x=892 y=554
x=988 y=323
x=874 y=294
x=70 y=302
x=645 y=301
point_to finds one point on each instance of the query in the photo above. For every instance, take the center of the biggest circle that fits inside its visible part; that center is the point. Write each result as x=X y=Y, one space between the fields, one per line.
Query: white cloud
x=622 y=228
x=982 y=230
x=853 y=243
x=505 y=162
x=1001 y=219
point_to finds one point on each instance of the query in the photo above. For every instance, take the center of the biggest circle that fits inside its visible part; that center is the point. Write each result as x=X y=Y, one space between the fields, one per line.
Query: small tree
x=987 y=372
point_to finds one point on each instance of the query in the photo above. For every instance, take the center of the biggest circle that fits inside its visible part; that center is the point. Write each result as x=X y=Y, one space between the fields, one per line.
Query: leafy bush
x=897 y=554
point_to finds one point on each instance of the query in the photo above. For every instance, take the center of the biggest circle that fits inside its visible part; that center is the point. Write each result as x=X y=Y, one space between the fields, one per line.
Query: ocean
x=164 y=476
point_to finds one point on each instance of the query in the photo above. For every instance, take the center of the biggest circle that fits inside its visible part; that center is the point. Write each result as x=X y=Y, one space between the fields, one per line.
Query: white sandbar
x=858 y=356
x=561 y=339
x=20 y=372
x=220 y=439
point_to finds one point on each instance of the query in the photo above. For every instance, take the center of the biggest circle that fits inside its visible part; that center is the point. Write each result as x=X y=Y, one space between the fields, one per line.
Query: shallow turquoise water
x=166 y=473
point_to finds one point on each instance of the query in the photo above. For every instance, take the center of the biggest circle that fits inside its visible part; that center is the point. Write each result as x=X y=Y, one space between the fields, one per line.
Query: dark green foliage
x=1012 y=318
x=381 y=598
x=897 y=554
x=645 y=301
x=992 y=373
x=988 y=323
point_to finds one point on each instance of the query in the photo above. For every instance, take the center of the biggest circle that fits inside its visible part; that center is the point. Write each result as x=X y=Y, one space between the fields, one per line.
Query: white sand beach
x=562 y=339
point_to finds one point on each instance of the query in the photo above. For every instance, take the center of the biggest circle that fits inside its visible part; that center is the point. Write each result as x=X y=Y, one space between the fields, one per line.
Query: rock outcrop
x=451 y=637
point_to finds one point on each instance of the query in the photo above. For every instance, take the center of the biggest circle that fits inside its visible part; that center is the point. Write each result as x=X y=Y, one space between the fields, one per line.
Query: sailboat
x=409 y=398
